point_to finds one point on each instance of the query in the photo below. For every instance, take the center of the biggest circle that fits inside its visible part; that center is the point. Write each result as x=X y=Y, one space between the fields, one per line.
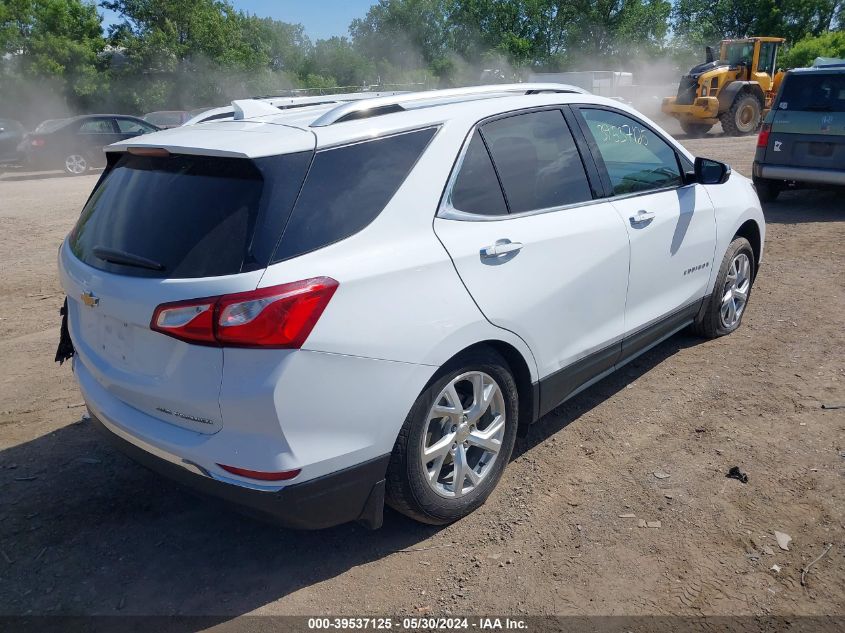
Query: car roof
x=265 y=134
x=816 y=70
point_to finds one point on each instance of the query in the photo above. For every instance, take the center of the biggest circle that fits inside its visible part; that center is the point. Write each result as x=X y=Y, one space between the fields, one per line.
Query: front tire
x=695 y=130
x=726 y=305
x=743 y=117
x=456 y=441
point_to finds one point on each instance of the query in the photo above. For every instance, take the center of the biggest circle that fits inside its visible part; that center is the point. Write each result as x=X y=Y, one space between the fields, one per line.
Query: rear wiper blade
x=126 y=259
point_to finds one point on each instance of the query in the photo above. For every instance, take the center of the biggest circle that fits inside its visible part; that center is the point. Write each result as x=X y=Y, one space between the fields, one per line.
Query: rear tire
x=75 y=164
x=767 y=190
x=722 y=313
x=744 y=115
x=440 y=437
x=695 y=130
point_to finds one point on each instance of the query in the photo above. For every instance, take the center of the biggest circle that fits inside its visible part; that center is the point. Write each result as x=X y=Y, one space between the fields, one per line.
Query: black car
x=11 y=135
x=76 y=144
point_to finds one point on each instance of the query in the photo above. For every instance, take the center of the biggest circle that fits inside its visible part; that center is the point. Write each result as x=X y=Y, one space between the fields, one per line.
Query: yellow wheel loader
x=735 y=90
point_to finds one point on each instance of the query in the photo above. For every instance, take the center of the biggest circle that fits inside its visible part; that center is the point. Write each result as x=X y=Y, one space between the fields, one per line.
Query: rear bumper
x=352 y=494
x=800 y=174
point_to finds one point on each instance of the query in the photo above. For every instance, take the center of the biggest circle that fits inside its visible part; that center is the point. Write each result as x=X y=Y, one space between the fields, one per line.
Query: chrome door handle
x=501 y=247
x=642 y=217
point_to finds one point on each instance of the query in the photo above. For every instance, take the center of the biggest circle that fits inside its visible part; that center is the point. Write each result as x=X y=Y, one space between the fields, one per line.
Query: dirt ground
x=85 y=531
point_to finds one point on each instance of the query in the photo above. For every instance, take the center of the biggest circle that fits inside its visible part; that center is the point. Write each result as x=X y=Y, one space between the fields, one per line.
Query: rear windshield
x=187 y=216
x=164 y=118
x=822 y=92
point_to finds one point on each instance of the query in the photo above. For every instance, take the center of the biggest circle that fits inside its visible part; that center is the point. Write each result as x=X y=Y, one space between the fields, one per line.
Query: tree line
x=163 y=54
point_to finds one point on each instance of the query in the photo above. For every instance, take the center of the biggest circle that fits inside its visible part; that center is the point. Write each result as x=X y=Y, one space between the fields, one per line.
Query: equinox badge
x=90 y=299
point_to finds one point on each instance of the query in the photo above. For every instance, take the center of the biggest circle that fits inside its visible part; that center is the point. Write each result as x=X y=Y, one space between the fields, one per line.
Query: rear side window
x=97 y=126
x=187 y=216
x=347 y=188
x=823 y=92
x=636 y=158
x=537 y=161
x=476 y=189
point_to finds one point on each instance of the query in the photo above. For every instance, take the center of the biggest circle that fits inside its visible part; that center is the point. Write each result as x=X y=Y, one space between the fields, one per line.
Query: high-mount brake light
x=148 y=151
x=277 y=317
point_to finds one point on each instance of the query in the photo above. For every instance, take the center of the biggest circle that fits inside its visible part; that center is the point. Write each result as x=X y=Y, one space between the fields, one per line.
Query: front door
x=538 y=254
x=671 y=225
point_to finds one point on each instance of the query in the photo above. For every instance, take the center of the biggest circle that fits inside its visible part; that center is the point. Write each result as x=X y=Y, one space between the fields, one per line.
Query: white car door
x=671 y=225
x=544 y=259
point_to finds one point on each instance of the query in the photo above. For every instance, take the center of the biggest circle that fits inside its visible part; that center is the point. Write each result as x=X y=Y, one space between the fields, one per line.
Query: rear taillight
x=38 y=142
x=279 y=316
x=763 y=137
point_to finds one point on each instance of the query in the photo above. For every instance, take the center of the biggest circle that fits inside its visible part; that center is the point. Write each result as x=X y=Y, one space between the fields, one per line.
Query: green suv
x=802 y=140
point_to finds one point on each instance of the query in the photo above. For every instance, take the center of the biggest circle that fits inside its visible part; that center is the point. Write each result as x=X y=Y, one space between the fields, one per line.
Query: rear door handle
x=501 y=247
x=642 y=217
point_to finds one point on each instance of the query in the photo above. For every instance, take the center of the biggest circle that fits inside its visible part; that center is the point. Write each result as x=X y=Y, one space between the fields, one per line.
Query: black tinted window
x=537 y=161
x=636 y=158
x=823 y=92
x=347 y=188
x=476 y=189
x=193 y=216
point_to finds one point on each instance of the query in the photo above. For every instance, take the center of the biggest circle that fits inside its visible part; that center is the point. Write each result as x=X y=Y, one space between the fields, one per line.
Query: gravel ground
x=85 y=531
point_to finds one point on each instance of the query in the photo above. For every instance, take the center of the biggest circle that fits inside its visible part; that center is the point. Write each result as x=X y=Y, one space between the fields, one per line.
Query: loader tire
x=744 y=115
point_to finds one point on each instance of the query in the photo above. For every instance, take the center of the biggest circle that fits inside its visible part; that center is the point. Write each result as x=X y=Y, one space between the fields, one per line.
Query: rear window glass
x=823 y=92
x=187 y=216
x=347 y=188
x=537 y=161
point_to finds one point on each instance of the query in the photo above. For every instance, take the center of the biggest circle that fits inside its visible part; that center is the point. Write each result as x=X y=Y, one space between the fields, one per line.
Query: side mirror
x=708 y=54
x=711 y=172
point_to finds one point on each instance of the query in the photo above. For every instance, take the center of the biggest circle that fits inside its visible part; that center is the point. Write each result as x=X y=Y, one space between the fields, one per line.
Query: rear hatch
x=165 y=226
x=808 y=126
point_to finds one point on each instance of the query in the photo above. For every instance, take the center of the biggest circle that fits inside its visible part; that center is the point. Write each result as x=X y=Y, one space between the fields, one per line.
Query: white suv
x=312 y=312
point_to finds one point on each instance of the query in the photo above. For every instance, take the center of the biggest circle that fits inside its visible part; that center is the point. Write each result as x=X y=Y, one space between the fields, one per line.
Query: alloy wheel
x=735 y=294
x=463 y=437
x=76 y=164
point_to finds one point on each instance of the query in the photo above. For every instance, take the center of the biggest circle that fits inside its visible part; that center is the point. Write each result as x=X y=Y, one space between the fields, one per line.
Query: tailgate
x=807 y=139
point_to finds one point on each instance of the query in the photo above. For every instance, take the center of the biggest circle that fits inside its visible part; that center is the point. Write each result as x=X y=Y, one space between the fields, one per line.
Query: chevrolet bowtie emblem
x=89 y=299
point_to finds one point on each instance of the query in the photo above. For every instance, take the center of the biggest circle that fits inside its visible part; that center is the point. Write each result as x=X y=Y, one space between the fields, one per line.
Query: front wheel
x=456 y=440
x=726 y=305
x=743 y=117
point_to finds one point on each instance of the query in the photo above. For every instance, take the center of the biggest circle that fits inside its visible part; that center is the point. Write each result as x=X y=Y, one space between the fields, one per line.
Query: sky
x=321 y=18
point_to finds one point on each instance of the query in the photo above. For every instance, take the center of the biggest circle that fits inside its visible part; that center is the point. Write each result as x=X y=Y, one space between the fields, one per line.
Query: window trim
x=446 y=211
x=599 y=159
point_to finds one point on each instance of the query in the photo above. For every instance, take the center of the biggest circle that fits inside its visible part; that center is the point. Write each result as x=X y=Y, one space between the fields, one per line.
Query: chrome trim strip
x=803 y=174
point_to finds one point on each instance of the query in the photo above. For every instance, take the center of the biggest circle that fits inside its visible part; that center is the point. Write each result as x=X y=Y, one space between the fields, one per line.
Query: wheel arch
x=527 y=391
x=750 y=230
x=732 y=91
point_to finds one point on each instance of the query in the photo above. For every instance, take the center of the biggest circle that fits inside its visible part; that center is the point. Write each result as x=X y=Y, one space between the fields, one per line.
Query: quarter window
x=537 y=161
x=476 y=189
x=347 y=188
x=636 y=158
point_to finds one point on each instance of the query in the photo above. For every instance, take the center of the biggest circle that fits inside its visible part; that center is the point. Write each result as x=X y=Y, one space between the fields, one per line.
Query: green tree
x=49 y=48
x=802 y=54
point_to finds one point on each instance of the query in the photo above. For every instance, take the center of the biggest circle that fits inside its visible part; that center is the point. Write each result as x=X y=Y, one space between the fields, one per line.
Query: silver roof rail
x=386 y=105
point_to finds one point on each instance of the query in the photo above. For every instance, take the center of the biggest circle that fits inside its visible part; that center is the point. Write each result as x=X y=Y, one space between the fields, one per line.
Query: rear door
x=166 y=228
x=538 y=253
x=808 y=126
x=93 y=135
